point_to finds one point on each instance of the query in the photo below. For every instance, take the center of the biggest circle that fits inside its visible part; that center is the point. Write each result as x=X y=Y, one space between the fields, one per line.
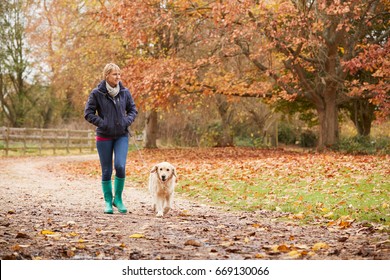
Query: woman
x=116 y=111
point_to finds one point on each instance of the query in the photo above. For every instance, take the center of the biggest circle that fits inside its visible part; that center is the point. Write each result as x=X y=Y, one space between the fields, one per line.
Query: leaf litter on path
x=64 y=220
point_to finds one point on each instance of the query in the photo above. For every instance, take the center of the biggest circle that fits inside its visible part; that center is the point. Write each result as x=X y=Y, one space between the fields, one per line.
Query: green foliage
x=308 y=139
x=255 y=141
x=15 y=95
x=364 y=145
x=287 y=133
x=211 y=134
x=300 y=106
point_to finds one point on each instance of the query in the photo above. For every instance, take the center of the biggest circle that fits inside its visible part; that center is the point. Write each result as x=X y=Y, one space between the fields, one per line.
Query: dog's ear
x=154 y=169
x=174 y=171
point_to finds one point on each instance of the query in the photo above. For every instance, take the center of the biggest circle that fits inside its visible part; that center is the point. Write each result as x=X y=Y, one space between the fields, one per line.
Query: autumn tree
x=16 y=95
x=312 y=40
x=73 y=52
x=175 y=54
x=296 y=50
x=158 y=67
x=369 y=85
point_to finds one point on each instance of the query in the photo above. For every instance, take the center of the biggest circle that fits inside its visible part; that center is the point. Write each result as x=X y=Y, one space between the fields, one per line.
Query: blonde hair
x=109 y=68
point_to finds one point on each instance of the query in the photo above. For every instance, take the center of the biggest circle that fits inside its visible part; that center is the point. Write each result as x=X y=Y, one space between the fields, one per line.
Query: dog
x=162 y=181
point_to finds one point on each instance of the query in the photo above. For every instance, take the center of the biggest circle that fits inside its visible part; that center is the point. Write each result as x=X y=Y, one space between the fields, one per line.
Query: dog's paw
x=159 y=214
x=166 y=210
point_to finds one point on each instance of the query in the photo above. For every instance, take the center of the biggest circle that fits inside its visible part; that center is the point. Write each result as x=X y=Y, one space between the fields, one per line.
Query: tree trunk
x=328 y=119
x=361 y=112
x=226 y=138
x=151 y=130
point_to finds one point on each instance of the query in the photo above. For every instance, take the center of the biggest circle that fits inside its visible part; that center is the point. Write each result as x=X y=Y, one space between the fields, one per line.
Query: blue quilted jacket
x=114 y=115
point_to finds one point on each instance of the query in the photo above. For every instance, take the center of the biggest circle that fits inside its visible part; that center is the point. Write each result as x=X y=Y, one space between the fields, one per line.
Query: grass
x=361 y=199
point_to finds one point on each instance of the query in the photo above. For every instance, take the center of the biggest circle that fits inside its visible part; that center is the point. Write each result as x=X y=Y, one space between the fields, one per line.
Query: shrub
x=286 y=134
x=308 y=139
x=364 y=145
x=211 y=134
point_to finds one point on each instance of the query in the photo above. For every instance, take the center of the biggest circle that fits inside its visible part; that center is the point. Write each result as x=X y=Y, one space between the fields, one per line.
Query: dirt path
x=52 y=215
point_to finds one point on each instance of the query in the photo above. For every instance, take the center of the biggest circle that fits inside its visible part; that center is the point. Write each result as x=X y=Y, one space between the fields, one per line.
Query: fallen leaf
x=294 y=254
x=22 y=235
x=345 y=222
x=319 y=246
x=304 y=253
x=193 y=242
x=80 y=246
x=227 y=244
x=281 y=248
x=320 y=205
x=299 y=216
x=329 y=215
x=137 y=235
x=233 y=250
x=331 y=223
x=70 y=253
x=47 y=232
x=342 y=239
x=184 y=213
x=16 y=247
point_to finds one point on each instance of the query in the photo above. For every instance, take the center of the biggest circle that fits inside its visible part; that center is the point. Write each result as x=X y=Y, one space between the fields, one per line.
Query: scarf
x=112 y=91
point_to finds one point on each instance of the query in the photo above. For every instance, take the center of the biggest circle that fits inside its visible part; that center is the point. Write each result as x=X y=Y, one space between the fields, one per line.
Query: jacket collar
x=102 y=87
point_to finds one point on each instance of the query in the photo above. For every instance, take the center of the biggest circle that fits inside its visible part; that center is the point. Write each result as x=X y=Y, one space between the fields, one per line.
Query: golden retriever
x=162 y=181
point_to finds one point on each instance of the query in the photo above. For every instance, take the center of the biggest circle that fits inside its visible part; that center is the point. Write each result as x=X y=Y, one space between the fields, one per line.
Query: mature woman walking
x=111 y=108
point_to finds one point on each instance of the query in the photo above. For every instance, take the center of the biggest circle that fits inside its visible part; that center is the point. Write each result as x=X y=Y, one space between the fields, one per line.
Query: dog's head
x=164 y=171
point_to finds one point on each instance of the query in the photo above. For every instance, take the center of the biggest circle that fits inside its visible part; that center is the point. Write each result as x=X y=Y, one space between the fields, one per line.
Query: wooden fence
x=36 y=139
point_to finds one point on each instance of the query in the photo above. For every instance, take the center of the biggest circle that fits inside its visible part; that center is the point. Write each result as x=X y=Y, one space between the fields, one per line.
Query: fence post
x=6 y=138
x=24 y=141
x=67 y=141
x=2 y=136
x=90 y=136
x=55 y=143
x=81 y=148
x=40 y=142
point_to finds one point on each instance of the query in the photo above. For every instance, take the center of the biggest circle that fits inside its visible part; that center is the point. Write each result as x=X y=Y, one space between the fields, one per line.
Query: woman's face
x=113 y=78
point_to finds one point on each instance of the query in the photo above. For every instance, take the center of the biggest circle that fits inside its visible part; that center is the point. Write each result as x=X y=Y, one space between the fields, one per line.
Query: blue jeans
x=109 y=148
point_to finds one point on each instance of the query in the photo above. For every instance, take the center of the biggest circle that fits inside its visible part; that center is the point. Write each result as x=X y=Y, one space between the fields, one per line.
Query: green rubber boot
x=119 y=184
x=107 y=192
